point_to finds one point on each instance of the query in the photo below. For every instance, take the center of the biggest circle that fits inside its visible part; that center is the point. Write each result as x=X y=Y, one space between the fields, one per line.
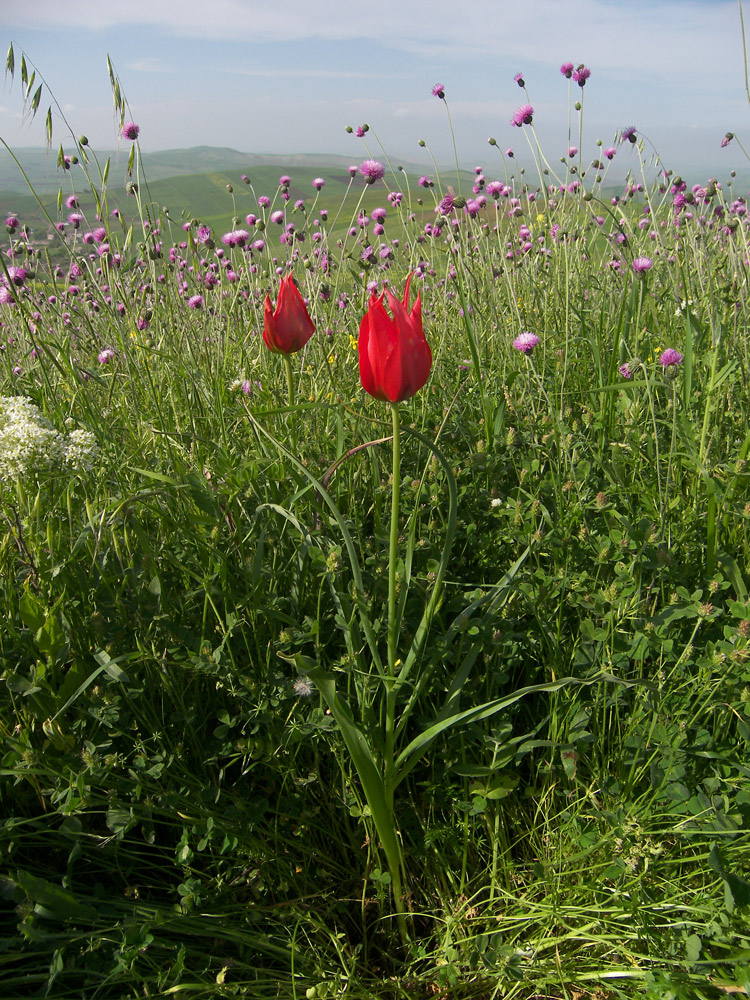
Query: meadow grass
x=210 y=726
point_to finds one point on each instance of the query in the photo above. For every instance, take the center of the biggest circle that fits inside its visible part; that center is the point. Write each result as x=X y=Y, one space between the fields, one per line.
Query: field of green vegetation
x=364 y=669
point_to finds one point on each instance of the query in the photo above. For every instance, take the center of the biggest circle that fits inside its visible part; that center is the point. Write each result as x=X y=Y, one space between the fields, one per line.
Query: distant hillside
x=194 y=183
x=40 y=165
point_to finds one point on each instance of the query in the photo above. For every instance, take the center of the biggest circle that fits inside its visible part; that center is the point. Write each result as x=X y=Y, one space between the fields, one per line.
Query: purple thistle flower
x=628 y=134
x=519 y=79
x=445 y=207
x=439 y=91
x=526 y=342
x=567 y=70
x=277 y=216
x=523 y=116
x=670 y=357
x=372 y=171
x=626 y=371
x=360 y=131
x=104 y=357
x=131 y=131
x=16 y=275
x=609 y=152
x=318 y=183
x=195 y=302
x=581 y=75
x=641 y=264
x=284 y=181
x=727 y=139
x=352 y=170
x=424 y=182
x=237 y=238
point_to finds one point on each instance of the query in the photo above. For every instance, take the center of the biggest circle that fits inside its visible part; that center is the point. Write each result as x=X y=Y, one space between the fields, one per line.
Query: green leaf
x=736 y=889
x=58 y=902
x=364 y=761
x=33 y=613
x=409 y=756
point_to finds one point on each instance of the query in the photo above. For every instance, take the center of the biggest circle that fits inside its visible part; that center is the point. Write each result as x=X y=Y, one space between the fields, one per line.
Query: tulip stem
x=290 y=396
x=393 y=550
x=395 y=863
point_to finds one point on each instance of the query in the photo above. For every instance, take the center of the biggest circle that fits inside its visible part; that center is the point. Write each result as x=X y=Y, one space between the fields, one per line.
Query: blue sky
x=269 y=77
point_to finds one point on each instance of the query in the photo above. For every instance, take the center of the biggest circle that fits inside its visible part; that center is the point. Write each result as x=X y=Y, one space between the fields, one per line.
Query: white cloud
x=149 y=65
x=659 y=38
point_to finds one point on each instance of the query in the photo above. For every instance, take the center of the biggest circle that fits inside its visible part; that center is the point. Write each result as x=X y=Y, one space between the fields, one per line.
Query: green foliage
x=199 y=767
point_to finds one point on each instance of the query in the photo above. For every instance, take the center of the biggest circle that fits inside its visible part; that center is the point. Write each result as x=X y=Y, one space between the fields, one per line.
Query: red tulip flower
x=394 y=357
x=287 y=328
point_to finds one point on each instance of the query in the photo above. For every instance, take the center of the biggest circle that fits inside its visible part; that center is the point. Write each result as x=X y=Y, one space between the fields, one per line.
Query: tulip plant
x=286 y=330
x=394 y=364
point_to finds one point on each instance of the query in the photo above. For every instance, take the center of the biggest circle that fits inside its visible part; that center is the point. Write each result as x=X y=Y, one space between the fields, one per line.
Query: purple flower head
x=641 y=264
x=609 y=152
x=318 y=183
x=237 y=238
x=195 y=302
x=16 y=275
x=727 y=139
x=509 y=153
x=372 y=171
x=629 y=134
x=670 y=357
x=424 y=182
x=439 y=91
x=626 y=371
x=526 y=342
x=378 y=214
x=71 y=201
x=572 y=150
x=352 y=170
x=523 y=116
x=131 y=131
x=445 y=206
x=284 y=181
x=581 y=75
x=360 y=132
x=11 y=222
x=104 y=357
x=567 y=70
x=519 y=79
x=277 y=216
